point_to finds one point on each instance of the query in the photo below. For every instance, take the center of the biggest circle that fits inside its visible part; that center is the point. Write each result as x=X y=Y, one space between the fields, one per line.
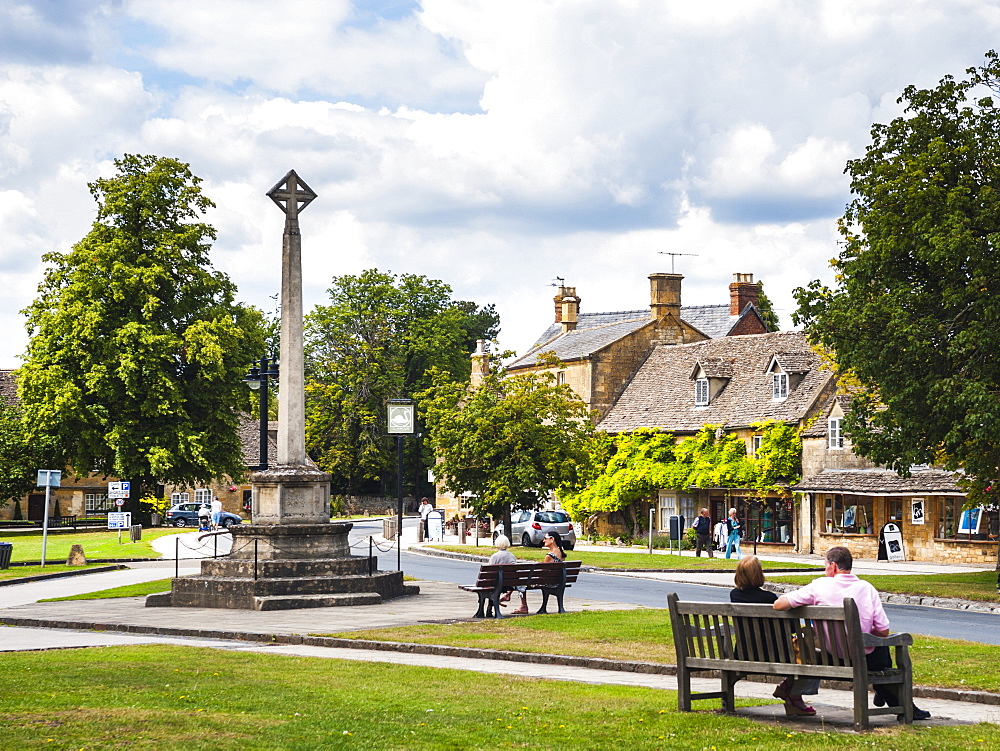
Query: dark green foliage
x=21 y=457
x=137 y=348
x=377 y=340
x=510 y=441
x=767 y=309
x=913 y=318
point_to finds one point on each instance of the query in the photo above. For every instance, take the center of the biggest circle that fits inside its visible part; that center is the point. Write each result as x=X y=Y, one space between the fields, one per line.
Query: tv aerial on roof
x=557 y=282
x=673 y=257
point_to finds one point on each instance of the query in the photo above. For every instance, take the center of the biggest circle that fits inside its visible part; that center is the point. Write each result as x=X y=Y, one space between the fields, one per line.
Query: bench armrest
x=893 y=640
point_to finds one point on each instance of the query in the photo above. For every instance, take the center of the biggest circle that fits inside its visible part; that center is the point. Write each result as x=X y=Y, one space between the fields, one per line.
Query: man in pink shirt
x=837 y=584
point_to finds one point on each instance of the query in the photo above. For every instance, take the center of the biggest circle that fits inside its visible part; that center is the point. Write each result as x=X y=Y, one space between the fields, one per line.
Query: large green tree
x=22 y=455
x=913 y=318
x=377 y=340
x=510 y=441
x=137 y=348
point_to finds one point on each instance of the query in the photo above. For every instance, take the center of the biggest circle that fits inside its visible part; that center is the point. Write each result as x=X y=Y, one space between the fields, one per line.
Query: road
x=951 y=624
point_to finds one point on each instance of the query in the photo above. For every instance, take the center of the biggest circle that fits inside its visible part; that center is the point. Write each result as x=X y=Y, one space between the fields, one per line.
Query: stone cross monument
x=291 y=555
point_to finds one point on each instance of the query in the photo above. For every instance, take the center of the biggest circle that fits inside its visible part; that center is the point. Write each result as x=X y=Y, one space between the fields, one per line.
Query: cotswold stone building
x=732 y=382
x=847 y=500
x=600 y=352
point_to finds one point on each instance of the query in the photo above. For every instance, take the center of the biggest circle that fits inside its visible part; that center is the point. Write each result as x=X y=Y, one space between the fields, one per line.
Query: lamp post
x=258 y=379
x=401 y=423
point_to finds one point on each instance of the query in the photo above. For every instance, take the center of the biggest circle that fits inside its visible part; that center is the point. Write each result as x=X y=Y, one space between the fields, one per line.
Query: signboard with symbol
x=118 y=490
x=119 y=520
x=400 y=418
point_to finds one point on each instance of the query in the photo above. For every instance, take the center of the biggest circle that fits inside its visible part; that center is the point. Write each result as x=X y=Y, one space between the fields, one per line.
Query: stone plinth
x=290 y=541
x=291 y=494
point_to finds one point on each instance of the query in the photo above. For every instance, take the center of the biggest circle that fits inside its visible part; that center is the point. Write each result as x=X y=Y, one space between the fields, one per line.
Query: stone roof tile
x=880 y=482
x=661 y=394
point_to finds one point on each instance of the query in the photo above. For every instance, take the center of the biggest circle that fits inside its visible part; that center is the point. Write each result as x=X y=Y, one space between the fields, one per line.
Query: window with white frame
x=701 y=392
x=835 y=434
x=203 y=495
x=561 y=378
x=95 y=501
x=180 y=497
x=780 y=382
x=755 y=442
x=668 y=507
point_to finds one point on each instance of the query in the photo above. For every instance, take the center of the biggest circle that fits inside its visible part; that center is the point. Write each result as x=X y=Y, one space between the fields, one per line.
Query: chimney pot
x=665 y=295
x=742 y=292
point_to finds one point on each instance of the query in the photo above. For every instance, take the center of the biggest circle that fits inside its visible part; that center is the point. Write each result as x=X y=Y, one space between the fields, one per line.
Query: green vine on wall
x=638 y=464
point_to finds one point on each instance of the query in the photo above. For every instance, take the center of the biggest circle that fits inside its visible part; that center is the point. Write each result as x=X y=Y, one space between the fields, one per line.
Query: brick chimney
x=742 y=292
x=480 y=363
x=665 y=295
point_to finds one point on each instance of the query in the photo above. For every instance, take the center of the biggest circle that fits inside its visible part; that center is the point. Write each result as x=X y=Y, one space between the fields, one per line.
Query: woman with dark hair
x=749 y=582
x=553 y=544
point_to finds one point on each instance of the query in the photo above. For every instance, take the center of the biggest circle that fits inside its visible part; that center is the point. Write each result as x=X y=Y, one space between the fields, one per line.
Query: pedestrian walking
x=735 y=530
x=703 y=533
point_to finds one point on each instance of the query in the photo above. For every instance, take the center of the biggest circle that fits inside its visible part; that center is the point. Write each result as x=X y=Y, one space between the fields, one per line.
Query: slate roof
x=880 y=482
x=594 y=331
x=661 y=395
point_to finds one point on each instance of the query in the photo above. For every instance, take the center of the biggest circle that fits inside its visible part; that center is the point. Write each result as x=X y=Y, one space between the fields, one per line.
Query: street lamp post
x=258 y=379
x=401 y=423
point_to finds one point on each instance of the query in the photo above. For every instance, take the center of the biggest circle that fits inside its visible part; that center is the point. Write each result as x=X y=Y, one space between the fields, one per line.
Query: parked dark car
x=186 y=515
x=530 y=527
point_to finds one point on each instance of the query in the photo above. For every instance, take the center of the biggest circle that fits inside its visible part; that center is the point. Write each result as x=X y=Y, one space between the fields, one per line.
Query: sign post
x=48 y=479
x=400 y=420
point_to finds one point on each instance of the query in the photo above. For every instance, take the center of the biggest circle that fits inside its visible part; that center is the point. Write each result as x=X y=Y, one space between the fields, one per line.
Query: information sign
x=119 y=519
x=118 y=489
x=435 y=525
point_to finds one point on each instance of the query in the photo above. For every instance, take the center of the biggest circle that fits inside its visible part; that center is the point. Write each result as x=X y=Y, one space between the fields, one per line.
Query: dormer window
x=780 y=385
x=835 y=435
x=701 y=392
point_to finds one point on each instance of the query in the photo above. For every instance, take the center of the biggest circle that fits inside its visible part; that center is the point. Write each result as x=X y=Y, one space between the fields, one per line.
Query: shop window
x=949 y=511
x=958 y=523
x=770 y=520
x=894 y=510
x=849 y=514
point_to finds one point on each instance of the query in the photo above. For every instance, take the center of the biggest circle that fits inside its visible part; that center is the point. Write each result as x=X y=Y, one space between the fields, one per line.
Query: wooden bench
x=806 y=642
x=549 y=578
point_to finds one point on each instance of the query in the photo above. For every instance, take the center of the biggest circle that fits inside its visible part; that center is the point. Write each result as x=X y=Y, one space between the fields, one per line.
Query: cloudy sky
x=494 y=145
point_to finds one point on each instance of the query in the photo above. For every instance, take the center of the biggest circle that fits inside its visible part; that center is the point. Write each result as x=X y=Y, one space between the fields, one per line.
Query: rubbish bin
x=6 y=548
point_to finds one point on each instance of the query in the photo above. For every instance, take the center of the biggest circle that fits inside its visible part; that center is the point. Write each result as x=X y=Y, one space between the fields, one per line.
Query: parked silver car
x=530 y=527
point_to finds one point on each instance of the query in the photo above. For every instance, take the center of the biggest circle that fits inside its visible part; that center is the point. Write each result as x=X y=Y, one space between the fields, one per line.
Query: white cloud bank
x=492 y=145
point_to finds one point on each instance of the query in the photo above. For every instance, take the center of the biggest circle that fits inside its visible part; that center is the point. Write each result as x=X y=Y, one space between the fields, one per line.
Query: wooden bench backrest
x=527 y=574
x=810 y=635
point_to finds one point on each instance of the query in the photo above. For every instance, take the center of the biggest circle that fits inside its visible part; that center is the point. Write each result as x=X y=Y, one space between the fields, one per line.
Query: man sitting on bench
x=831 y=589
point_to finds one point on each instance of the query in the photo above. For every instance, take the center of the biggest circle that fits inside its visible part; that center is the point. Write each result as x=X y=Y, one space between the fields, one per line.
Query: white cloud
x=491 y=145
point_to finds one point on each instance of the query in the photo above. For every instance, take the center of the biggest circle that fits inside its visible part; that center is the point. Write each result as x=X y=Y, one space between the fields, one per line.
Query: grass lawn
x=977 y=585
x=28 y=545
x=164 y=697
x=646 y=635
x=619 y=559
x=130 y=590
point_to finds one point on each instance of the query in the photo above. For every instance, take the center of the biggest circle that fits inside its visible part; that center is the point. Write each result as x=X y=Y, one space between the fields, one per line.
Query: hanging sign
x=400 y=418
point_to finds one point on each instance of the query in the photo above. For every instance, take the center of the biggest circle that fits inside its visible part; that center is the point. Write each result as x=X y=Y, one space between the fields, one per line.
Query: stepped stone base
x=283 y=567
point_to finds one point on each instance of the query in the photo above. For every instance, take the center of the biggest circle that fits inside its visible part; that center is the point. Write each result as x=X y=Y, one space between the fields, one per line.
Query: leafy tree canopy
x=378 y=339
x=22 y=456
x=137 y=349
x=913 y=318
x=766 y=309
x=510 y=441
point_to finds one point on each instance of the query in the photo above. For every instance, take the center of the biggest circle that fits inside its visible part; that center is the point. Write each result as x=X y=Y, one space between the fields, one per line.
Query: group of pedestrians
x=703 y=534
x=209 y=516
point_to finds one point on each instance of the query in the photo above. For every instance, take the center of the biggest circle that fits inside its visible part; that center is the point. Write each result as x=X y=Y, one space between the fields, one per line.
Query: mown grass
x=28 y=545
x=976 y=585
x=646 y=635
x=129 y=590
x=165 y=697
x=630 y=560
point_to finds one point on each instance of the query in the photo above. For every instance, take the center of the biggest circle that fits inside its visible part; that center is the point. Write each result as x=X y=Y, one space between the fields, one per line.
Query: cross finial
x=291 y=194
